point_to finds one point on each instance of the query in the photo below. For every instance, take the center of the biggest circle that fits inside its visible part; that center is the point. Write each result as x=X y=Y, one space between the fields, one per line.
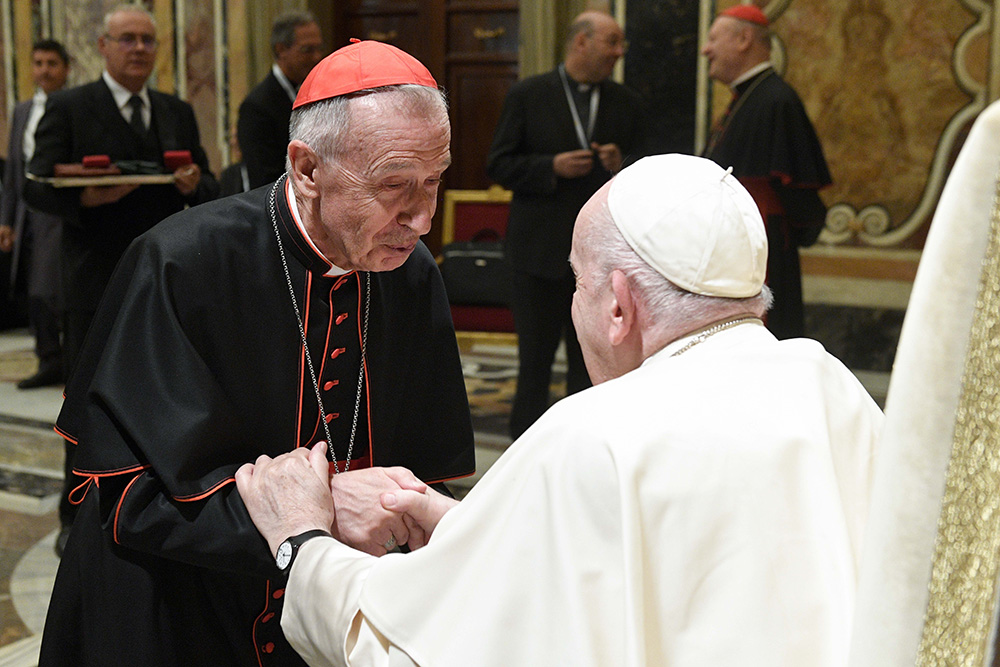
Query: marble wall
x=891 y=88
x=195 y=59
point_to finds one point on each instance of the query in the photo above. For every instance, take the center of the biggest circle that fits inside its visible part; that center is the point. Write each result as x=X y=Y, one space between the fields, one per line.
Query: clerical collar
x=122 y=94
x=750 y=73
x=290 y=88
x=293 y=206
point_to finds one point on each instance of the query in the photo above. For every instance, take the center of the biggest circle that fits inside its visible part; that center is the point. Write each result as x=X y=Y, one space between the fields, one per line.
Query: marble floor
x=30 y=478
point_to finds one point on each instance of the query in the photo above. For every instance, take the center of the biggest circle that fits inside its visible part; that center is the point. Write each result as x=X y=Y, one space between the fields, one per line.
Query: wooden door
x=470 y=46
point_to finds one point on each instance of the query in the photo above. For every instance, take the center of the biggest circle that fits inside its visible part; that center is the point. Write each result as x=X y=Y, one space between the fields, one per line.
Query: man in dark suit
x=31 y=235
x=117 y=116
x=262 y=127
x=560 y=137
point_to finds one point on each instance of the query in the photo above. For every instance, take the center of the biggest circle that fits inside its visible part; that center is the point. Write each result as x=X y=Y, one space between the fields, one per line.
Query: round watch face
x=284 y=555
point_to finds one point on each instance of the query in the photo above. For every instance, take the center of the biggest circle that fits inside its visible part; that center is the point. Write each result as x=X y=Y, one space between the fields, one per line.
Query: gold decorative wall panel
x=891 y=87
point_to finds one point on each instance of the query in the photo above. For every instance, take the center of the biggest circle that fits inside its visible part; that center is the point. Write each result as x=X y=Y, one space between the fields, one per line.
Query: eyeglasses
x=130 y=40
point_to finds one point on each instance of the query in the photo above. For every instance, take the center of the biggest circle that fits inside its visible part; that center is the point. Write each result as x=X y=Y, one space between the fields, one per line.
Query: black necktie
x=136 y=122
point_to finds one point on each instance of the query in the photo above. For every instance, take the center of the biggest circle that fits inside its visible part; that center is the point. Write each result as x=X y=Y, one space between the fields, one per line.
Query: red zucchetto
x=751 y=13
x=359 y=66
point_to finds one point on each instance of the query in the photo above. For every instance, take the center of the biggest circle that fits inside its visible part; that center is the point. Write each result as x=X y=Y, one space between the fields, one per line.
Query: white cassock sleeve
x=321 y=617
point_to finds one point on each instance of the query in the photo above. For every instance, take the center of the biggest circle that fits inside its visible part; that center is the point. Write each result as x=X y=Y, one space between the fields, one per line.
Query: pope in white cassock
x=702 y=504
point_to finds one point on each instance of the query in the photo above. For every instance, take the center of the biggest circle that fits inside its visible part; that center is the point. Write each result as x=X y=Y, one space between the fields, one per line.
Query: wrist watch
x=287 y=549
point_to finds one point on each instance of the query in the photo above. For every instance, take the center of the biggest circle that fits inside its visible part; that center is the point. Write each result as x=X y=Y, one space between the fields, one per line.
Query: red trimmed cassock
x=195 y=366
x=768 y=140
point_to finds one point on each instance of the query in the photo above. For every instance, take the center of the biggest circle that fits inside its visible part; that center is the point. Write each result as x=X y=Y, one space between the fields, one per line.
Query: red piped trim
x=204 y=494
x=302 y=361
x=321 y=372
x=66 y=436
x=79 y=492
x=300 y=230
x=111 y=473
x=368 y=383
x=257 y=621
x=121 y=501
x=449 y=479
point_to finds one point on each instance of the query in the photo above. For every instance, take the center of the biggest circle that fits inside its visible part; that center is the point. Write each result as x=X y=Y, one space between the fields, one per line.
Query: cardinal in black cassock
x=768 y=140
x=194 y=366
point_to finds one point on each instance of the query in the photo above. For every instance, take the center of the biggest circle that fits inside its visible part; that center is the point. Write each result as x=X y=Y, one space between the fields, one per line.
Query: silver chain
x=711 y=331
x=305 y=344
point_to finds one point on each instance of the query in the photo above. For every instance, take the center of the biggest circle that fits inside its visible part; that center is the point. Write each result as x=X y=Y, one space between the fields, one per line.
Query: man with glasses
x=262 y=128
x=560 y=137
x=120 y=117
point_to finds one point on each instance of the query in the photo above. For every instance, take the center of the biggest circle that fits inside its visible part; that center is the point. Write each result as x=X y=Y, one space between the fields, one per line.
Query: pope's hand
x=423 y=509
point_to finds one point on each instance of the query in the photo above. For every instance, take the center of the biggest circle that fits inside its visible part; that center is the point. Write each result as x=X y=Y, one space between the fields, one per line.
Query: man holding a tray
x=119 y=120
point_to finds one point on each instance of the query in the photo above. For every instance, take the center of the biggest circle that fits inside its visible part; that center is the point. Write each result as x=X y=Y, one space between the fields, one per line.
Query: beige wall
x=891 y=86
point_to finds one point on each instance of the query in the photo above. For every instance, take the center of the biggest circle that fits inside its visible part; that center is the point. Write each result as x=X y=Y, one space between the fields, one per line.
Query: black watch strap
x=288 y=549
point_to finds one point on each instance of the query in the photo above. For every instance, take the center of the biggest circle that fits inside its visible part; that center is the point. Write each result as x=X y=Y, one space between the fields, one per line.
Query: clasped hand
x=295 y=492
x=574 y=164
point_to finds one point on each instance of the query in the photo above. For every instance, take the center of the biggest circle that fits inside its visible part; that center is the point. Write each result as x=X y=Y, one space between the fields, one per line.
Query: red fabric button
x=341 y=318
x=330 y=384
x=339 y=351
x=333 y=415
x=267 y=618
x=278 y=593
x=268 y=647
x=340 y=283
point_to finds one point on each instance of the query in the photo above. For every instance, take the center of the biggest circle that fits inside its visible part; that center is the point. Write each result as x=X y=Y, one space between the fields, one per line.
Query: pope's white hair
x=666 y=305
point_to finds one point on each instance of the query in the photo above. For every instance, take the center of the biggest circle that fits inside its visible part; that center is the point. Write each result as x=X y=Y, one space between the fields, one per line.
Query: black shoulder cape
x=769 y=135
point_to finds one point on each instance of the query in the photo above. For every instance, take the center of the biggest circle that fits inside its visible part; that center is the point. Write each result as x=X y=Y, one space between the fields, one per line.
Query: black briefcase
x=475 y=272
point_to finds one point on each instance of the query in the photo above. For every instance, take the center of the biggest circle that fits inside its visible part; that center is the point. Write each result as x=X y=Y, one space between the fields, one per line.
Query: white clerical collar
x=293 y=206
x=285 y=83
x=750 y=73
x=122 y=94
